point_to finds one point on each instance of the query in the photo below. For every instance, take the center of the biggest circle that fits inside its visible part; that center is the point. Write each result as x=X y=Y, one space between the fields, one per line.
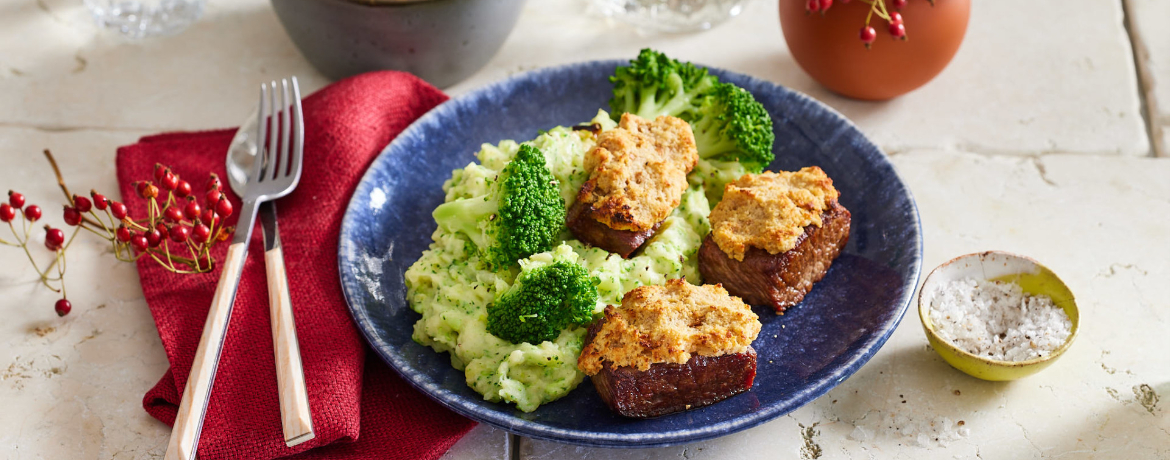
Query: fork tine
x=273 y=129
x=285 y=124
x=298 y=143
x=261 y=136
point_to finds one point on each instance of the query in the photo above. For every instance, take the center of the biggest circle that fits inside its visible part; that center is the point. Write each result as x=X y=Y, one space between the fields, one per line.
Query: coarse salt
x=997 y=320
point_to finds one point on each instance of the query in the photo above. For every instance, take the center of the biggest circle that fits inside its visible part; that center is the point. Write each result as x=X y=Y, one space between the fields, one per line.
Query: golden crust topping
x=770 y=210
x=667 y=324
x=638 y=171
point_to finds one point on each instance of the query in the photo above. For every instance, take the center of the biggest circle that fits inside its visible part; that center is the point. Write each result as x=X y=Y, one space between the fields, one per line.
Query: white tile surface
x=72 y=387
x=1018 y=85
x=1024 y=83
x=1070 y=213
x=60 y=71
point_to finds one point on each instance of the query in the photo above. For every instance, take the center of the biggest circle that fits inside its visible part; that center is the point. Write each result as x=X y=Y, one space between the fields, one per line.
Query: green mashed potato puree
x=451 y=289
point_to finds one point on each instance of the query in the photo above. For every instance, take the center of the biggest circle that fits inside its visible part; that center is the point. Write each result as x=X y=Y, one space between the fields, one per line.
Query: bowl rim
x=923 y=312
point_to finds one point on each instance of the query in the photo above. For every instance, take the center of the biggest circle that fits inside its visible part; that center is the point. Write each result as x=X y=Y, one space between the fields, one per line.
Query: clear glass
x=671 y=15
x=145 y=18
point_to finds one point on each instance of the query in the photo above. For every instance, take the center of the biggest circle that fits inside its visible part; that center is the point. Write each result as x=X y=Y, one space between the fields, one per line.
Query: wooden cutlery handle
x=189 y=421
x=295 y=417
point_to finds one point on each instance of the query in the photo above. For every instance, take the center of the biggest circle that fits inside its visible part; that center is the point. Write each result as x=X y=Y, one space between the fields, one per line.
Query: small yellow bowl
x=1031 y=276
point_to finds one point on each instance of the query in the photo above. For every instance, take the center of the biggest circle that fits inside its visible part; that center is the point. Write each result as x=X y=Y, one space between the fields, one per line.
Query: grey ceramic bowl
x=441 y=41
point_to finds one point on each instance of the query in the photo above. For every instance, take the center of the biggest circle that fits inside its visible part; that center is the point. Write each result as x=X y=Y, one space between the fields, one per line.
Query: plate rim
x=534 y=430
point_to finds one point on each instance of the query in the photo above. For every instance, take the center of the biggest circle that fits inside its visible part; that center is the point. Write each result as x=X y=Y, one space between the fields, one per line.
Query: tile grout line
x=71 y=128
x=515 y=450
x=52 y=128
x=1145 y=81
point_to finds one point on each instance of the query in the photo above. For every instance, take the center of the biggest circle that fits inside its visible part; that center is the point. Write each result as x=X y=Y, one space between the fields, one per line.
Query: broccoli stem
x=649 y=104
x=463 y=216
x=681 y=101
x=628 y=104
x=709 y=140
x=684 y=101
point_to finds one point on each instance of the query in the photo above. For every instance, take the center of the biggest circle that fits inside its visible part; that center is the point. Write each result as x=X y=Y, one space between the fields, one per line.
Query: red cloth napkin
x=361 y=409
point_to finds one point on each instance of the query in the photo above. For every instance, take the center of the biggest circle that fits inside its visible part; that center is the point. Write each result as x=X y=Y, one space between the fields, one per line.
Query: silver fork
x=274 y=175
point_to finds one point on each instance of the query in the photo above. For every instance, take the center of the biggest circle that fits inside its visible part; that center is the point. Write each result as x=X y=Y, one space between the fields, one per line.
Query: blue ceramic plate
x=802 y=354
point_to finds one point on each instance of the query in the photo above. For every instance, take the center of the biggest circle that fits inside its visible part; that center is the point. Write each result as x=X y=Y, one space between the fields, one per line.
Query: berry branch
x=192 y=229
x=894 y=23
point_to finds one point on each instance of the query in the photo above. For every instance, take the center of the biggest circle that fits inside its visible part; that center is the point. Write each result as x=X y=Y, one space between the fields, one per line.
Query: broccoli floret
x=544 y=300
x=654 y=85
x=733 y=131
x=731 y=125
x=521 y=214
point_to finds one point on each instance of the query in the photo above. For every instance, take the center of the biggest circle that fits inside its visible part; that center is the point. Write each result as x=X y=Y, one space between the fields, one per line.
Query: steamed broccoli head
x=521 y=214
x=654 y=84
x=733 y=131
x=731 y=125
x=543 y=301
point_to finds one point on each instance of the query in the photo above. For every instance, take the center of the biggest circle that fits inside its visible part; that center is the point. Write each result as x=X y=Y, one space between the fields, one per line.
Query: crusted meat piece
x=770 y=211
x=669 y=324
x=671 y=348
x=623 y=242
x=638 y=172
x=668 y=388
x=779 y=280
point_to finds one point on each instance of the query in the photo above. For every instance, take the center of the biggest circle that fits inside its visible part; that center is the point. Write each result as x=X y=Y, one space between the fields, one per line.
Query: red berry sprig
x=179 y=239
x=894 y=23
x=54 y=240
x=173 y=217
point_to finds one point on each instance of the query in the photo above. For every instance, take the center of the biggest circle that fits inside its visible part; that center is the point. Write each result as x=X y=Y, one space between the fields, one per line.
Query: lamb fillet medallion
x=671 y=348
x=638 y=173
x=774 y=235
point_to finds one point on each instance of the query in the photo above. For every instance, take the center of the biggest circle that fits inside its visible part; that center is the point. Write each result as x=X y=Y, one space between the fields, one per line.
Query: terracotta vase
x=828 y=48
